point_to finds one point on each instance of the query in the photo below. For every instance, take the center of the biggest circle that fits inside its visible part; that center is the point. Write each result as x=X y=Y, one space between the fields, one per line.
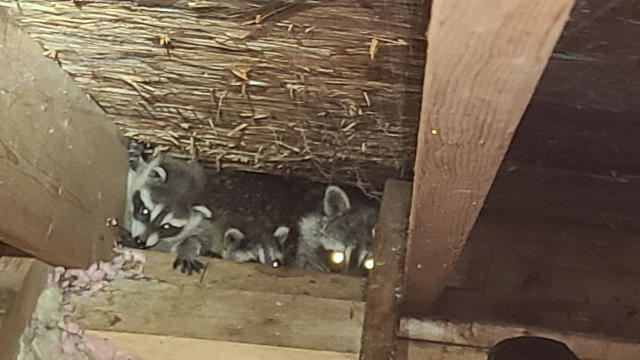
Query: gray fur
x=266 y=249
x=339 y=228
x=163 y=210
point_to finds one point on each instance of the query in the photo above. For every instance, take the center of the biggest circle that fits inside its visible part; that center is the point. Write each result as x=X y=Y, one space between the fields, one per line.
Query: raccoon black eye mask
x=339 y=238
x=163 y=211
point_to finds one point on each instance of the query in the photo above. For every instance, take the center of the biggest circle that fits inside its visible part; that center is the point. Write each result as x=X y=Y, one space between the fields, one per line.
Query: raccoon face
x=340 y=239
x=153 y=222
x=269 y=250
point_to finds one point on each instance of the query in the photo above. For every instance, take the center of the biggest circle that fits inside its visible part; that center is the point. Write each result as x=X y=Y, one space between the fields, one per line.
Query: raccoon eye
x=145 y=211
x=337 y=257
x=369 y=264
x=275 y=263
x=166 y=226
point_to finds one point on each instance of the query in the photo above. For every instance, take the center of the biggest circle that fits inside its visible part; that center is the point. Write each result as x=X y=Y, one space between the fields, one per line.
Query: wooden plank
x=614 y=320
x=556 y=275
x=62 y=165
x=420 y=350
x=223 y=274
x=385 y=280
x=214 y=313
x=176 y=348
x=551 y=193
x=21 y=283
x=486 y=334
x=483 y=63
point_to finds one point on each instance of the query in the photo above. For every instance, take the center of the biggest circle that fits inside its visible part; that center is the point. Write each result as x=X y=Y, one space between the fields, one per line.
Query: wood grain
x=307 y=69
x=213 y=313
x=62 y=165
x=421 y=350
x=175 y=348
x=223 y=274
x=21 y=283
x=483 y=64
x=385 y=279
x=486 y=334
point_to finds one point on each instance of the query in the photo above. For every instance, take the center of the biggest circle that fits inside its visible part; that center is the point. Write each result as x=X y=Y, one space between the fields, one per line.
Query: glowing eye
x=145 y=211
x=337 y=257
x=369 y=264
x=275 y=263
x=166 y=226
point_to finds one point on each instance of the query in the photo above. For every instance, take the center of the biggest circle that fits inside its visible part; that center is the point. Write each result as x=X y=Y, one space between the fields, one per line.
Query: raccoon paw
x=188 y=265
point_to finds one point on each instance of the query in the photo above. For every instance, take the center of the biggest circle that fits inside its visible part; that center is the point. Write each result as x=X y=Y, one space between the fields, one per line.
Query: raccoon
x=338 y=239
x=268 y=250
x=163 y=210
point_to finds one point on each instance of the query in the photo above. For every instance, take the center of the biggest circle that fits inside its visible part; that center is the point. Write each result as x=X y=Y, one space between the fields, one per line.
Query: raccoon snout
x=139 y=241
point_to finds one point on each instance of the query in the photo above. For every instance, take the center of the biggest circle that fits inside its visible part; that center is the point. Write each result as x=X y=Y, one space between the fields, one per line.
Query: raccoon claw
x=188 y=266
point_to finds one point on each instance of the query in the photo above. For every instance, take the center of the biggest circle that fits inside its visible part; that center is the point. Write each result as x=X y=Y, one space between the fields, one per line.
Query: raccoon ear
x=159 y=173
x=281 y=234
x=336 y=201
x=203 y=210
x=234 y=237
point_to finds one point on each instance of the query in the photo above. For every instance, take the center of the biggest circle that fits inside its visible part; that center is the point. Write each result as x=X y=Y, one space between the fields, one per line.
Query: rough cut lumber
x=385 y=280
x=21 y=282
x=422 y=350
x=224 y=307
x=549 y=275
x=327 y=90
x=175 y=348
x=191 y=311
x=62 y=165
x=222 y=274
x=483 y=64
x=487 y=334
x=551 y=193
x=551 y=260
x=542 y=276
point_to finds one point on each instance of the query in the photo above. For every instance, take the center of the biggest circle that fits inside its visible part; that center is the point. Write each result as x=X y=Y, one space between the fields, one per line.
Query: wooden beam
x=483 y=63
x=385 y=280
x=21 y=283
x=259 y=278
x=219 y=306
x=62 y=165
x=486 y=334
x=226 y=315
x=420 y=350
x=175 y=348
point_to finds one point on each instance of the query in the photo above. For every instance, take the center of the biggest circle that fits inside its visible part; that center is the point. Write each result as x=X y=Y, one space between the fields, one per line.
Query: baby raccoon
x=267 y=250
x=339 y=239
x=163 y=212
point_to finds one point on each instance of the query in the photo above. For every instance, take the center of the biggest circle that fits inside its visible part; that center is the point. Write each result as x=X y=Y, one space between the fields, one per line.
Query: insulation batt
x=52 y=336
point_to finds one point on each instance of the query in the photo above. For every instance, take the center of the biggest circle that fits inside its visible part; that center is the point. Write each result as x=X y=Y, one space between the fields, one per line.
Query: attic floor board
x=177 y=348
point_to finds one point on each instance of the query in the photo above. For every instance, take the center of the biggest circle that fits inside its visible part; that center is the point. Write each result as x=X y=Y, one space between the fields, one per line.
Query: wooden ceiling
x=586 y=111
x=575 y=153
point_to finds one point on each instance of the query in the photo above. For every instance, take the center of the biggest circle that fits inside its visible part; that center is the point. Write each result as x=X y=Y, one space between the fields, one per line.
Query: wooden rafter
x=483 y=63
x=62 y=165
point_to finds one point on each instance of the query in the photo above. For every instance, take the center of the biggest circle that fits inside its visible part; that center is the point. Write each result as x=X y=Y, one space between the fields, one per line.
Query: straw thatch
x=324 y=89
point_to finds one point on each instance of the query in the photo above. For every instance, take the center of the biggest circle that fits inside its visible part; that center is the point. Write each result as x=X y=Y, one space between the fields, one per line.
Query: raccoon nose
x=138 y=240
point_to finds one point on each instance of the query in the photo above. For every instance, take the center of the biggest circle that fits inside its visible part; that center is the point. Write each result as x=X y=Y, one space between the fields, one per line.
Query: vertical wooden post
x=62 y=165
x=483 y=63
x=22 y=281
x=385 y=280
